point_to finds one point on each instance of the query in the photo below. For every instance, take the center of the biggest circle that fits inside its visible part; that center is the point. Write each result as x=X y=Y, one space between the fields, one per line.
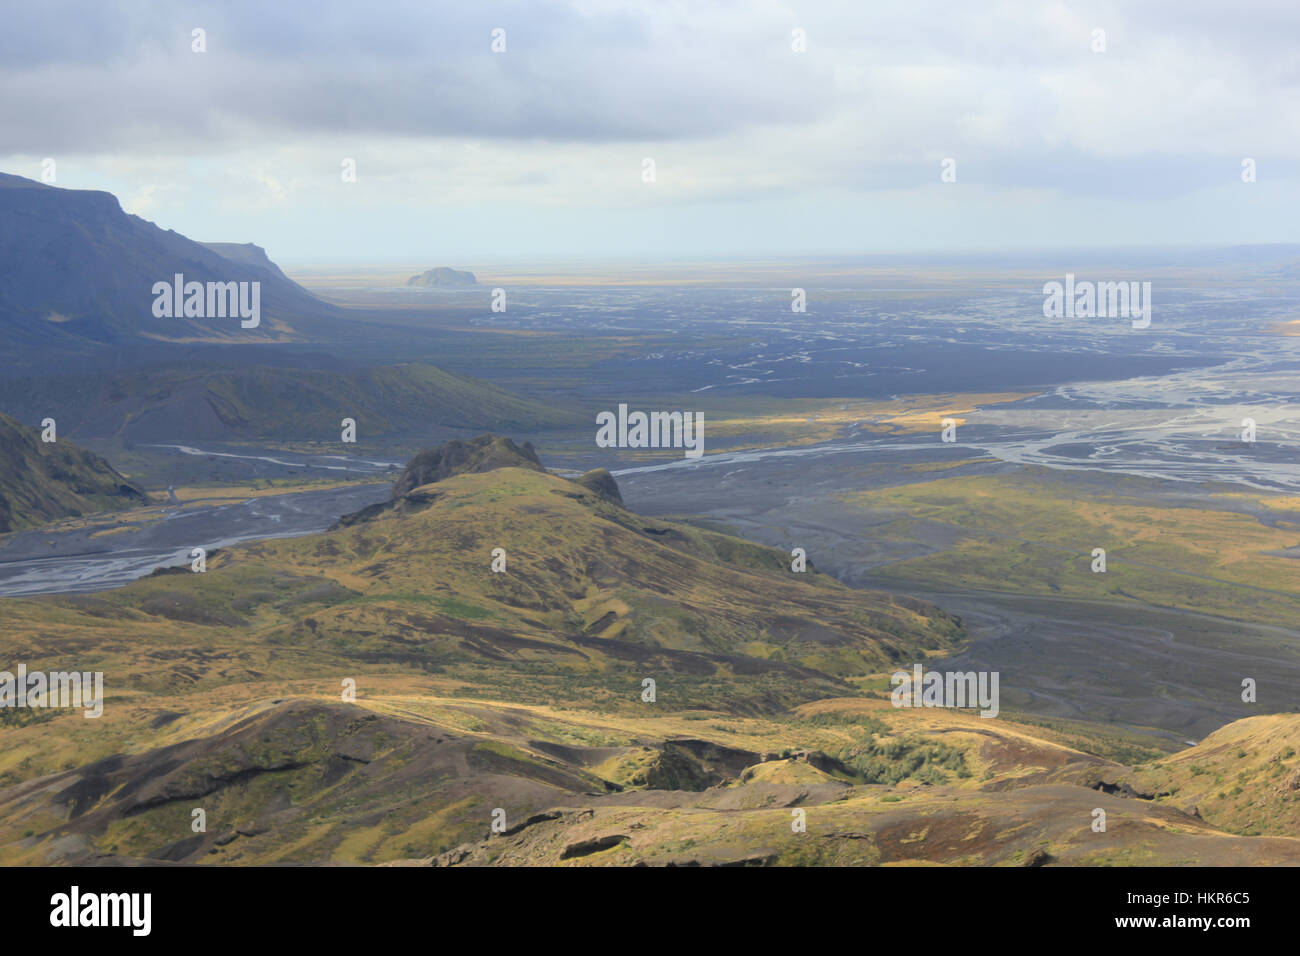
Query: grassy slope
x=412 y=771
x=1244 y=777
x=42 y=481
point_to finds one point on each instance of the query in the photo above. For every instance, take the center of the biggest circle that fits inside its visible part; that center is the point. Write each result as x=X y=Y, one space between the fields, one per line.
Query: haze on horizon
x=464 y=154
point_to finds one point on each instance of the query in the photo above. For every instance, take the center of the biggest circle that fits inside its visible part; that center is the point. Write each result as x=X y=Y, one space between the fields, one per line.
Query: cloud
x=570 y=73
x=713 y=91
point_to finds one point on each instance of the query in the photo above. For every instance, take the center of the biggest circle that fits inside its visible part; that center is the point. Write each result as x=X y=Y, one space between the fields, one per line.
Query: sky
x=775 y=128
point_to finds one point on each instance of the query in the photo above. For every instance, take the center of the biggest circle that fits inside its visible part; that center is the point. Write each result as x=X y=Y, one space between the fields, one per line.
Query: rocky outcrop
x=459 y=457
x=600 y=481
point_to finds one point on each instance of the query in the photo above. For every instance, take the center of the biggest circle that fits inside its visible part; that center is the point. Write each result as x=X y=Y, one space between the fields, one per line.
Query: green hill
x=42 y=481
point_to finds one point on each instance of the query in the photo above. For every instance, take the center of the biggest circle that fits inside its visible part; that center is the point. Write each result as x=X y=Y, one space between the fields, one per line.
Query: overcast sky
x=465 y=155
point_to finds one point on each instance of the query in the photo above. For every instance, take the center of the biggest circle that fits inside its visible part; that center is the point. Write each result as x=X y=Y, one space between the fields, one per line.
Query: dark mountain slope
x=283 y=404
x=75 y=270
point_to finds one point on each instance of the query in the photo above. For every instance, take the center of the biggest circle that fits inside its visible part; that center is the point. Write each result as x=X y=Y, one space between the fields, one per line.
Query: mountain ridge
x=77 y=270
